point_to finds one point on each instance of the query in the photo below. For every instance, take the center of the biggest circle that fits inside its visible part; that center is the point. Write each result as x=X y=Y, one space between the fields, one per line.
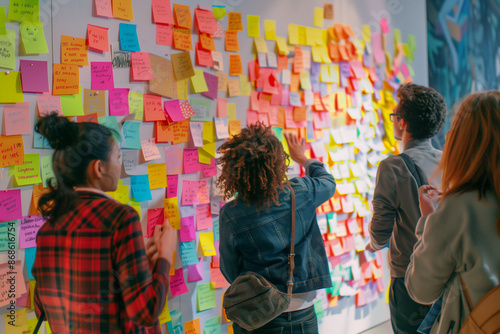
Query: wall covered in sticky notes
x=175 y=80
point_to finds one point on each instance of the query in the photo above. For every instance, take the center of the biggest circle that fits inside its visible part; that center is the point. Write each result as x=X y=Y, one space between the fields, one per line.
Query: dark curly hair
x=423 y=108
x=254 y=165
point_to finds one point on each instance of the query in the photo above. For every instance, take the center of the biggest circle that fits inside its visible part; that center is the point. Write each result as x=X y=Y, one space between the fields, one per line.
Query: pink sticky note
x=209 y=170
x=378 y=52
x=34 y=76
x=212 y=84
x=384 y=26
x=285 y=97
x=118 y=101
x=28 y=230
x=222 y=107
x=177 y=283
x=273 y=116
x=103 y=8
x=352 y=226
x=189 y=192
x=252 y=117
x=405 y=70
x=321 y=120
x=164 y=34
x=149 y=150
x=187 y=232
x=173 y=158
x=195 y=272
x=172 y=184
x=173 y=109
x=10 y=205
x=251 y=70
x=141 y=67
x=48 y=103
x=187 y=110
x=205 y=21
x=102 y=75
x=191 y=164
x=196 y=130
x=203 y=217
x=155 y=217
x=219 y=33
x=203 y=192
x=23 y=300
x=17 y=119
x=162 y=12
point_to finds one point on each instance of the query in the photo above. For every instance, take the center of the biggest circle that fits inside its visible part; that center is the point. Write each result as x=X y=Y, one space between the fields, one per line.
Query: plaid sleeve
x=38 y=303
x=143 y=294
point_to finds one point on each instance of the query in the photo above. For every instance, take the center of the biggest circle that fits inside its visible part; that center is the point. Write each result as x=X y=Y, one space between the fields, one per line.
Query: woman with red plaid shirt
x=93 y=273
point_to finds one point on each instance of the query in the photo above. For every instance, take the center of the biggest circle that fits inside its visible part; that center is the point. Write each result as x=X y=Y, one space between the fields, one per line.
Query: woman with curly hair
x=255 y=225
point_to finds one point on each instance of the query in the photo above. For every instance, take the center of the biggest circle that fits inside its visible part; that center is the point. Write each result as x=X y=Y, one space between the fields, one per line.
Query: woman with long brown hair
x=459 y=242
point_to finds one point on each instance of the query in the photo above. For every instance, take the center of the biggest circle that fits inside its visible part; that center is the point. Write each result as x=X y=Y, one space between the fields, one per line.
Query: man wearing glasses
x=419 y=115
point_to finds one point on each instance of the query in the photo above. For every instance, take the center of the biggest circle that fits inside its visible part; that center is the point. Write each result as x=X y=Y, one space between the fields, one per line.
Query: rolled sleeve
x=320 y=183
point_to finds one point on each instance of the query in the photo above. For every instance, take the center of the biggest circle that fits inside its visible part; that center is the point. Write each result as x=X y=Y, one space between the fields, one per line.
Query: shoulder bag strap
x=466 y=292
x=413 y=168
x=41 y=318
x=291 y=257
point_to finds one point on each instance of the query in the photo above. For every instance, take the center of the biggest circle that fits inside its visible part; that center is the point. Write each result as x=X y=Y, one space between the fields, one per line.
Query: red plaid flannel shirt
x=92 y=273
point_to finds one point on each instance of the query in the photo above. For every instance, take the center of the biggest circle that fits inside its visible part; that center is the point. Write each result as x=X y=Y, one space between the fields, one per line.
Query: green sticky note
x=72 y=105
x=205 y=296
x=332 y=221
x=29 y=172
x=4 y=234
x=47 y=170
x=412 y=43
x=136 y=105
x=410 y=69
x=131 y=132
x=11 y=90
x=3 y=19
x=202 y=110
x=219 y=11
x=33 y=37
x=212 y=326
x=278 y=132
x=7 y=49
x=24 y=10
x=198 y=82
x=318 y=308
x=397 y=36
x=111 y=123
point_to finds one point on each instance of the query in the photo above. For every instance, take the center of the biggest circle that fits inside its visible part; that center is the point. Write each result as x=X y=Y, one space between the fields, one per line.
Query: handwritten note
x=171 y=207
x=177 y=283
x=235 y=21
x=149 y=150
x=28 y=229
x=155 y=217
x=102 y=75
x=162 y=12
x=17 y=118
x=205 y=296
x=164 y=34
x=203 y=57
x=128 y=37
x=173 y=157
x=207 y=42
x=205 y=21
x=182 y=39
x=153 y=109
x=131 y=133
x=122 y=9
x=29 y=172
x=187 y=232
x=231 y=41
x=33 y=37
x=97 y=38
x=24 y=10
x=7 y=47
x=74 y=51
x=66 y=79
x=118 y=101
x=235 y=65
x=157 y=175
x=10 y=205
x=11 y=150
x=183 y=16
x=203 y=217
x=140 y=188
x=103 y=8
x=190 y=159
x=183 y=67
x=141 y=67
x=172 y=185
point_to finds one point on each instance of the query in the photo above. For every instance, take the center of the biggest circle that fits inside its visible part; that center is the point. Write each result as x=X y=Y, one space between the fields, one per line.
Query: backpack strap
x=412 y=168
x=291 y=257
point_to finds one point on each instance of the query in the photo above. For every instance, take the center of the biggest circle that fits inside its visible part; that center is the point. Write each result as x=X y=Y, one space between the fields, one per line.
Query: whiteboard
x=70 y=17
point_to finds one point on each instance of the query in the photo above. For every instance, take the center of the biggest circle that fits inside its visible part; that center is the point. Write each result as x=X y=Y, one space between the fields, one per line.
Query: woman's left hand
x=428 y=196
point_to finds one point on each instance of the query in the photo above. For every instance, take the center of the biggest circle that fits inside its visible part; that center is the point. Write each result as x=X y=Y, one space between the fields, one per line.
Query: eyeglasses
x=393 y=115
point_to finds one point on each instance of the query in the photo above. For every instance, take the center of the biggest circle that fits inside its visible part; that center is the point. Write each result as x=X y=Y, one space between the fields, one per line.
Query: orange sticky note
x=183 y=68
x=74 y=51
x=164 y=132
x=232 y=43
x=97 y=37
x=11 y=150
x=235 y=65
x=235 y=21
x=207 y=42
x=182 y=15
x=141 y=67
x=182 y=39
x=234 y=127
x=222 y=85
x=181 y=132
x=122 y=9
x=66 y=79
x=192 y=327
x=153 y=109
x=233 y=87
x=217 y=278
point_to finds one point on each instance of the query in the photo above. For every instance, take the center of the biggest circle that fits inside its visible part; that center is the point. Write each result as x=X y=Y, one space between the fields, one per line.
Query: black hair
x=76 y=145
x=423 y=109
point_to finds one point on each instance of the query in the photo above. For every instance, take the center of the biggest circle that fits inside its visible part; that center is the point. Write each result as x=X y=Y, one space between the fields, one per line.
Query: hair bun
x=59 y=131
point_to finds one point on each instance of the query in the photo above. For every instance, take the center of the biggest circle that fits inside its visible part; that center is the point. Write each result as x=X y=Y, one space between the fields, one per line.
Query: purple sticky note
x=212 y=84
x=118 y=101
x=10 y=205
x=29 y=228
x=172 y=184
x=173 y=109
x=34 y=76
x=195 y=272
x=295 y=99
x=285 y=96
x=102 y=75
x=187 y=232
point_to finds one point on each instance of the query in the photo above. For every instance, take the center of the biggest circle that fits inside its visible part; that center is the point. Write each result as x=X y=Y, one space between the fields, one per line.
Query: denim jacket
x=260 y=241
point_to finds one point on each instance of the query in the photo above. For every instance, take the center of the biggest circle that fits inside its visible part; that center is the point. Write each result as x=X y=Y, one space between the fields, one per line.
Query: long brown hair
x=471 y=155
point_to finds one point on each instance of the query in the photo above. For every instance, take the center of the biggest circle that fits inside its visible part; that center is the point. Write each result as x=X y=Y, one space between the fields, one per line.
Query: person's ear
x=403 y=125
x=97 y=168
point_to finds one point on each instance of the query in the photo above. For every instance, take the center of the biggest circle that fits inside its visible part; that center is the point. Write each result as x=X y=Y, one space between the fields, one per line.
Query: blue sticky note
x=131 y=132
x=175 y=325
x=29 y=256
x=295 y=99
x=111 y=123
x=128 y=37
x=188 y=253
x=40 y=141
x=216 y=229
x=140 y=187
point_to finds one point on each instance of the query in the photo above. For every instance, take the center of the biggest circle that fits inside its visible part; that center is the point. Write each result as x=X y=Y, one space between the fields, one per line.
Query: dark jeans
x=406 y=314
x=302 y=321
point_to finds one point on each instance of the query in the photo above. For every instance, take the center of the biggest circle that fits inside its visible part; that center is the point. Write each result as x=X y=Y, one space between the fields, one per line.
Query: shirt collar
x=94 y=191
x=422 y=143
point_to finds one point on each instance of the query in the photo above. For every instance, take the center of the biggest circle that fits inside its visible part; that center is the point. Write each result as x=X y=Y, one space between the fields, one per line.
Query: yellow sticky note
x=325 y=57
x=122 y=194
x=270 y=29
x=20 y=322
x=302 y=35
x=24 y=10
x=171 y=210
x=136 y=206
x=311 y=36
x=253 y=22
x=245 y=87
x=157 y=175
x=136 y=104
x=207 y=244
x=318 y=17
x=31 y=325
x=11 y=90
x=3 y=19
x=209 y=135
x=122 y=9
x=316 y=54
x=222 y=84
x=8 y=50
x=233 y=87
x=305 y=81
x=206 y=153
x=29 y=172
x=260 y=44
x=367 y=34
x=165 y=314
x=72 y=105
x=219 y=12
x=293 y=34
x=231 y=111
x=33 y=37
x=182 y=89
x=32 y=293
x=198 y=82
x=282 y=46
x=318 y=36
